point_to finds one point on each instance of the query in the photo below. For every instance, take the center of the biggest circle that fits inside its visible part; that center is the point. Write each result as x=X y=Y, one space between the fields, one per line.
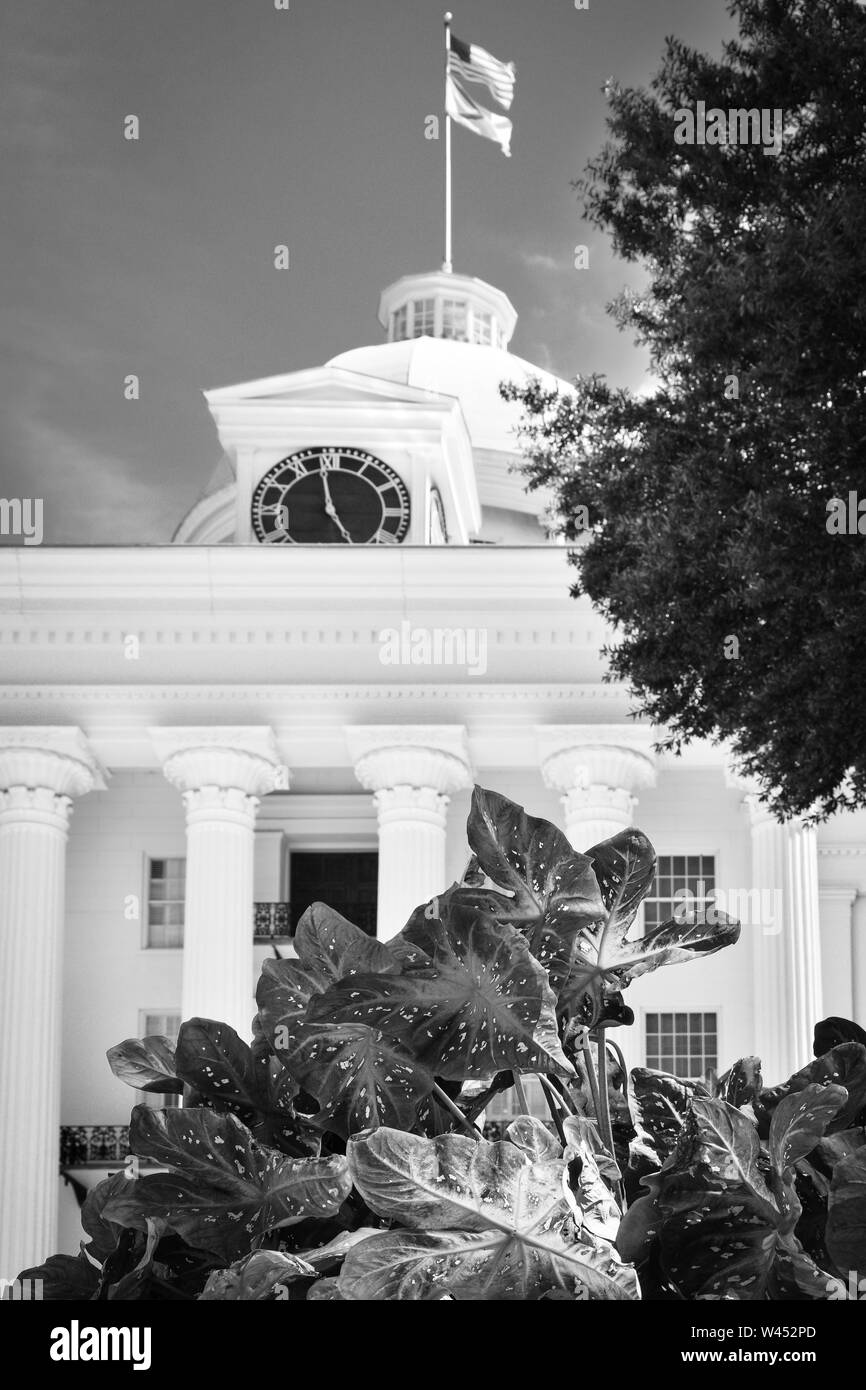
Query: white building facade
x=361 y=617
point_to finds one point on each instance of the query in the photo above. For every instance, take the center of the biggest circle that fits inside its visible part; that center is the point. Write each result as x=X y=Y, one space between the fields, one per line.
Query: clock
x=328 y=496
x=437 y=530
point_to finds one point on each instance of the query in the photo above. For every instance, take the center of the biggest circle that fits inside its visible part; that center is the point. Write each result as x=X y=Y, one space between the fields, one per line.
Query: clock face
x=328 y=497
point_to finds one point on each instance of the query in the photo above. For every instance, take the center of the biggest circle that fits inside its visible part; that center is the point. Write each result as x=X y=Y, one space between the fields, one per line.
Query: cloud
x=92 y=495
x=539 y=260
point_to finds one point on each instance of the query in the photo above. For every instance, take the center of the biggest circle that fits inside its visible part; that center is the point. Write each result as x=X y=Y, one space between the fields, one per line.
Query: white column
x=837 y=950
x=412 y=771
x=41 y=770
x=599 y=773
x=221 y=773
x=786 y=936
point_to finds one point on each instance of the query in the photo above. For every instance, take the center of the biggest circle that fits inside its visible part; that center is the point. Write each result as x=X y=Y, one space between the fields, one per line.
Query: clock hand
x=332 y=510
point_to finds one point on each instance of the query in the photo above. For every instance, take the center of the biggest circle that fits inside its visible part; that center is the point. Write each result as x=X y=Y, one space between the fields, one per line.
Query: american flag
x=475 y=64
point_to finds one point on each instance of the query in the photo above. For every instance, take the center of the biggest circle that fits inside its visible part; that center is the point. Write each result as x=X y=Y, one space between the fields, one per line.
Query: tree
x=734 y=581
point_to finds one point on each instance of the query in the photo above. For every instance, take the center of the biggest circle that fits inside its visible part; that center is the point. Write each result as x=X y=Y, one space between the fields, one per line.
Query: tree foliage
x=703 y=507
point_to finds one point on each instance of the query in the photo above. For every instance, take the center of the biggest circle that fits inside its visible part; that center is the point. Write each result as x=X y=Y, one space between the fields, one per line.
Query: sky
x=262 y=127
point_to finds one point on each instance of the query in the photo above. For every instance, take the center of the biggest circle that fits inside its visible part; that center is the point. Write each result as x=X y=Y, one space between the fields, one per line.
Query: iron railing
x=272 y=921
x=93 y=1145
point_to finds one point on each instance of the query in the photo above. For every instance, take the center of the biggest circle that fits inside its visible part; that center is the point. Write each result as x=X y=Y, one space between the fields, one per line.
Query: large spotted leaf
x=605 y=960
x=283 y=994
x=723 y=1214
x=250 y=1082
x=546 y=888
x=844 y=1065
x=484 y=1222
x=360 y=1078
x=224 y=1191
x=624 y=867
x=330 y=947
x=148 y=1064
x=658 y=1105
x=483 y=1005
x=846 y=1220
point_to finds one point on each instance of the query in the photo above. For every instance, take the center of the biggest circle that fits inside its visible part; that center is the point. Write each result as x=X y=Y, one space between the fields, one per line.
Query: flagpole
x=447 y=264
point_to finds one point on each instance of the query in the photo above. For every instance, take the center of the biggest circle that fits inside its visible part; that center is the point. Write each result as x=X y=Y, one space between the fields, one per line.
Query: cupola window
x=454 y=319
x=423 y=318
x=399 y=320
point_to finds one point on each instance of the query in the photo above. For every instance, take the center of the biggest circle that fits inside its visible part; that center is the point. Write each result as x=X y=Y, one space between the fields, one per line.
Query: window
x=482 y=329
x=345 y=880
x=399 y=321
x=165 y=894
x=683 y=1044
x=681 y=880
x=165 y=1025
x=423 y=318
x=454 y=316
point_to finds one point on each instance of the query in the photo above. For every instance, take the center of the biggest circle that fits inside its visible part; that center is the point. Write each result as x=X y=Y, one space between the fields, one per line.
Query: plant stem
x=562 y=1090
x=604 y=1115
x=553 y=1104
x=590 y=1072
x=454 y=1110
x=520 y=1093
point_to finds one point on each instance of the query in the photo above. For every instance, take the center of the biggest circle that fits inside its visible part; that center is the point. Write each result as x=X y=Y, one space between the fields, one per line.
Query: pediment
x=322 y=385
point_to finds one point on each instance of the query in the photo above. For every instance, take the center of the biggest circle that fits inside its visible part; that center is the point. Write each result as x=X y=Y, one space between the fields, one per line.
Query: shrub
x=337 y=1157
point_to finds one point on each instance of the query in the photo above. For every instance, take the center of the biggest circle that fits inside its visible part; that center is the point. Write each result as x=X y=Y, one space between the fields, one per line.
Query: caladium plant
x=335 y=1157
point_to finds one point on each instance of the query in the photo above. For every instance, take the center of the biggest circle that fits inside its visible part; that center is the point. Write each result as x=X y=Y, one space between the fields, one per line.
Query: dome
x=469 y=372
x=450 y=333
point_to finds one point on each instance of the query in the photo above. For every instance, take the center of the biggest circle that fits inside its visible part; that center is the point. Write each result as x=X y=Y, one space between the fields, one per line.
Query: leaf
x=360 y=1078
x=846 y=1221
x=717 y=1228
x=211 y=1057
x=485 y=1222
x=606 y=962
x=250 y=1082
x=552 y=891
x=533 y=1137
x=484 y=1005
x=283 y=994
x=800 y=1120
x=595 y=1209
x=624 y=867
x=830 y=1032
x=256 y=1278
x=658 y=1105
x=224 y=1190
x=64 y=1277
x=743 y=1082
x=103 y=1233
x=336 y=1250
x=325 y=1290
x=329 y=947
x=147 y=1064
x=844 y=1065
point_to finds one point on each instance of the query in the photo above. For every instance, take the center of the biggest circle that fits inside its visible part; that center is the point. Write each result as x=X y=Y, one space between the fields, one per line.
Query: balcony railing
x=95 y=1145
x=272 y=921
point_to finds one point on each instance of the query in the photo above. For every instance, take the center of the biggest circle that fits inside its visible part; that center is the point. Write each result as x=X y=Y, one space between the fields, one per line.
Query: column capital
x=53 y=759
x=575 y=757
x=434 y=756
x=235 y=759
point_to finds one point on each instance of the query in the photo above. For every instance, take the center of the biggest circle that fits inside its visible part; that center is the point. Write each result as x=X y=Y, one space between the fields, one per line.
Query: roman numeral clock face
x=331 y=497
